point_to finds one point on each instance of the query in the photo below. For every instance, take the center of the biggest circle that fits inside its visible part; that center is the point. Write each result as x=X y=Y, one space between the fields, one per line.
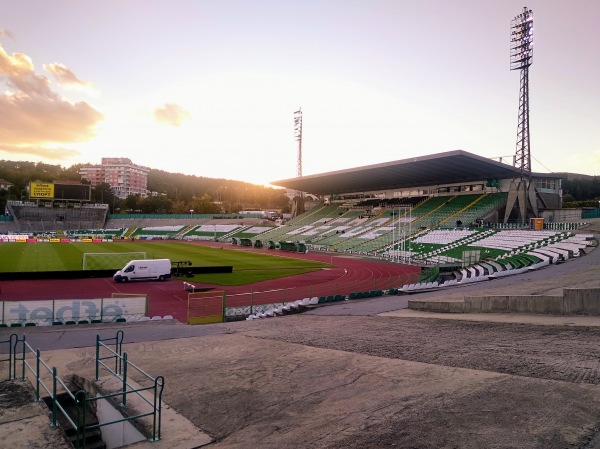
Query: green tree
x=103 y=194
x=156 y=204
x=203 y=205
x=132 y=203
x=180 y=207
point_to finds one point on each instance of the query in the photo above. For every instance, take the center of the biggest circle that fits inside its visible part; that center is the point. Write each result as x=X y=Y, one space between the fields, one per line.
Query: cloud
x=65 y=76
x=171 y=114
x=44 y=152
x=34 y=117
x=7 y=33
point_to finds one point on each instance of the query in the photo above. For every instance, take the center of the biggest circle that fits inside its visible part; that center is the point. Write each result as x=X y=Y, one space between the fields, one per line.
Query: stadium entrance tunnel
x=109 y=434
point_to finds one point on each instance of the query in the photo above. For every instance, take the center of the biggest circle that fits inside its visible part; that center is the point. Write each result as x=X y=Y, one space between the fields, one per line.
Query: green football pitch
x=247 y=267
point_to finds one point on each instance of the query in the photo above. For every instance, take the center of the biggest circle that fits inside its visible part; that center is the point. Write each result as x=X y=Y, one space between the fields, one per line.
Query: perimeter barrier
x=118 y=308
x=218 y=306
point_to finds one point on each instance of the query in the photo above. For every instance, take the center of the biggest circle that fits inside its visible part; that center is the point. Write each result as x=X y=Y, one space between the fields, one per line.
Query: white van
x=144 y=270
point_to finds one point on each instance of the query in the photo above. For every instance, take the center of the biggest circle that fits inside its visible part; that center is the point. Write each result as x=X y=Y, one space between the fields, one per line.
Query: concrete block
x=544 y=304
x=582 y=300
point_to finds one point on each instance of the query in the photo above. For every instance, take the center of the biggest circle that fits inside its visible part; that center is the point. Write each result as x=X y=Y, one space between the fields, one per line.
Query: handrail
x=19 y=349
x=12 y=369
x=56 y=406
x=118 y=339
x=122 y=365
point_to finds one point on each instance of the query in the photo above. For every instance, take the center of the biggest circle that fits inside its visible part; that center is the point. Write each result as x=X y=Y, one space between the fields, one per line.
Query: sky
x=209 y=88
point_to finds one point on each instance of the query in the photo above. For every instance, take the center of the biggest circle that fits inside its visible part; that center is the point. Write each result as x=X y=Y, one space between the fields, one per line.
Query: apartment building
x=125 y=177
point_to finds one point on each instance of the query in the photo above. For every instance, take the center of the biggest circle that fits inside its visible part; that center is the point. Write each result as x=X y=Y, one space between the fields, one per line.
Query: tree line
x=581 y=191
x=169 y=193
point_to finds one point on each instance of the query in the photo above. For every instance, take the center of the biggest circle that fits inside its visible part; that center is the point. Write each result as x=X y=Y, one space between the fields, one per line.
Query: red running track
x=349 y=274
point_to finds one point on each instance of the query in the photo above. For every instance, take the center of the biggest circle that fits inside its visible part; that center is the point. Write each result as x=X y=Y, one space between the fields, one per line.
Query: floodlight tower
x=298 y=205
x=298 y=136
x=522 y=190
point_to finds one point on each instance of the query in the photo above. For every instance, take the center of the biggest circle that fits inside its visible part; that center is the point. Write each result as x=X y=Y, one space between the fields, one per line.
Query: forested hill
x=171 y=192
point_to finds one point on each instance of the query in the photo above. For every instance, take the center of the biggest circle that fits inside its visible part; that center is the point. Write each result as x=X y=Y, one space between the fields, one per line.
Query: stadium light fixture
x=521 y=40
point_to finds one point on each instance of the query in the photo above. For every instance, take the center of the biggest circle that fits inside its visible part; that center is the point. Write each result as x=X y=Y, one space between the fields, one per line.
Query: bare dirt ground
x=345 y=376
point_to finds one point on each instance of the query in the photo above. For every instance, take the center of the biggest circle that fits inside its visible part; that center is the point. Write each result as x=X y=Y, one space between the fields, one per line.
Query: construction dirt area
x=370 y=374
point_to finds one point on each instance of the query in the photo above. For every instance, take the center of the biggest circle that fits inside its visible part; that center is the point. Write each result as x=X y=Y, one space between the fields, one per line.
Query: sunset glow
x=209 y=88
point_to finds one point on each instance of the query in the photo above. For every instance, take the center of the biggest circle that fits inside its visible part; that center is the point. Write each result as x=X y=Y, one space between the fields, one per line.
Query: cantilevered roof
x=443 y=168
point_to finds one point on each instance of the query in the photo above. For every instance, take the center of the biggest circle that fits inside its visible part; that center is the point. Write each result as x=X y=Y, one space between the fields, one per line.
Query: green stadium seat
x=322 y=299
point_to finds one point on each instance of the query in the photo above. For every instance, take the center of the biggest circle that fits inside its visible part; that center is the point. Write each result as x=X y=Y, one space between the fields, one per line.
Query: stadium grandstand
x=56 y=206
x=445 y=210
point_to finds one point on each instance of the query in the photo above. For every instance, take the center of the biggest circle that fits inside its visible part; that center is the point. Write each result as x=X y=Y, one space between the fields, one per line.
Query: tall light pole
x=521 y=57
x=522 y=191
x=298 y=136
x=298 y=205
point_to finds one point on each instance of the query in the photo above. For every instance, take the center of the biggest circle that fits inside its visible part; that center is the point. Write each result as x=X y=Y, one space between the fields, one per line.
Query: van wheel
x=161 y=278
x=124 y=279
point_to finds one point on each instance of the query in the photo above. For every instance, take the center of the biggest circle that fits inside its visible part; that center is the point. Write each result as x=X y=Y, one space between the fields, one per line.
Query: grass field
x=247 y=267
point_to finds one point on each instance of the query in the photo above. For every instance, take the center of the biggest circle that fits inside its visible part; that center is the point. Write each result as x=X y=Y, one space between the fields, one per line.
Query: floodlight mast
x=522 y=191
x=298 y=204
x=521 y=57
x=298 y=136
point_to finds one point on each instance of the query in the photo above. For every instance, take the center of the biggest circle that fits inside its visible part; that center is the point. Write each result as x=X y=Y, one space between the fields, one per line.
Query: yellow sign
x=41 y=190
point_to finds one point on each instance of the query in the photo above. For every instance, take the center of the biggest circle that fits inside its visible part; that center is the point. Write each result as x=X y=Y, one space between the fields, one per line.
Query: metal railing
x=45 y=379
x=38 y=371
x=120 y=371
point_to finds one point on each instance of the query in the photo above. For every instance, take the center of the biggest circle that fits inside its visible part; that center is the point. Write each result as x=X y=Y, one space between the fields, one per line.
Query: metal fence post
x=97 y=355
x=158 y=382
x=118 y=350
x=12 y=355
x=23 y=360
x=37 y=375
x=81 y=404
x=54 y=400
x=124 y=389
